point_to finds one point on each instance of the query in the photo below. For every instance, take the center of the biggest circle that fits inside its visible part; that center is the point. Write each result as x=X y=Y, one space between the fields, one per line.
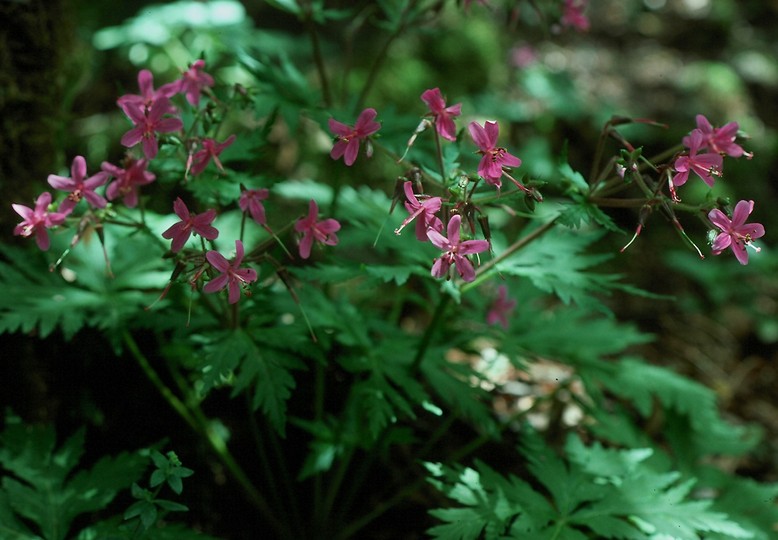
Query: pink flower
x=251 y=201
x=193 y=81
x=147 y=93
x=736 y=233
x=232 y=276
x=211 y=150
x=348 y=138
x=443 y=115
x=37 y=220
x=323 y=231
x=494 y=158
x=197 y=223
x=720 y=140
x=454 y=251
x=704 y=165
x=425 y=211
x=127 y=180
x=573 y=16
x=147 y=124
x=501 y=308
x=79 y=186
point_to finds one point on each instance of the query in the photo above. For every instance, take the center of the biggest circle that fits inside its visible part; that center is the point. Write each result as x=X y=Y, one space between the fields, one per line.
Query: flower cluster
x=706 y=148
x=152 y=113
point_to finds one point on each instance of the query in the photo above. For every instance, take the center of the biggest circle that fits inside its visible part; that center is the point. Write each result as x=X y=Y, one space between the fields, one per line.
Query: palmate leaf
x=456 y=384
x=43 y=489
x=235 y=357
x=702 y=431
x=36 y=299
x=558 y=264
x=586 y=496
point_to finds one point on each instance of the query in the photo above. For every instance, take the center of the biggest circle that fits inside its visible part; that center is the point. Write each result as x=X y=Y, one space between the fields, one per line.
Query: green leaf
x=45 y=489
x=235 y=357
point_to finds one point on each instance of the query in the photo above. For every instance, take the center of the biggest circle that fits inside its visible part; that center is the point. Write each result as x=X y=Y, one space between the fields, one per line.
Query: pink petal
x=132 y=137
x=179 y=207
x=440 y=267
x=479 y=136
x=719 y=219
x=61 y=182
x=703 y=124
x=78 y=169
x=437 y=239
x=453 y=229
x=742 y=210
x=216 y=284
x=305 y=245
x=465 y=268
x=218 y=261
x=352 y=150
x=339 y=128
x=234 y=291
x=492 y=132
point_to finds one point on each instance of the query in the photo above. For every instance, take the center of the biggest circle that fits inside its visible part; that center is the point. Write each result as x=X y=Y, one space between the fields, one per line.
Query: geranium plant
x=378 y=366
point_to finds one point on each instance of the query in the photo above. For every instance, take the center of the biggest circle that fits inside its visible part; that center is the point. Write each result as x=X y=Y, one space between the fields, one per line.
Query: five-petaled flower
x=348 y=138
x=147 y=93
x=706 y=165
x=210 y=150
x=494 y=157
x=79 y=186
x=735 y=233
x=232 y=275
x=573 y=15
x=192 y=82
x=718 y=139
x=424 y=210
x=251 y=201
x=443 y=115
x=198 y=223
x=147 y=124
x=501 y=307
x=127 y=180
x=454 y=251
x=323 y=231
x=37 y=220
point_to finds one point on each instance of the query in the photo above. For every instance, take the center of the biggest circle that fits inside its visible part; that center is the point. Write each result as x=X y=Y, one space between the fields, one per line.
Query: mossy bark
x=35 y=39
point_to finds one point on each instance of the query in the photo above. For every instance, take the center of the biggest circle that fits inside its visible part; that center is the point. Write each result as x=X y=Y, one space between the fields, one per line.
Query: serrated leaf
x=45 y=490
x=236 y=357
